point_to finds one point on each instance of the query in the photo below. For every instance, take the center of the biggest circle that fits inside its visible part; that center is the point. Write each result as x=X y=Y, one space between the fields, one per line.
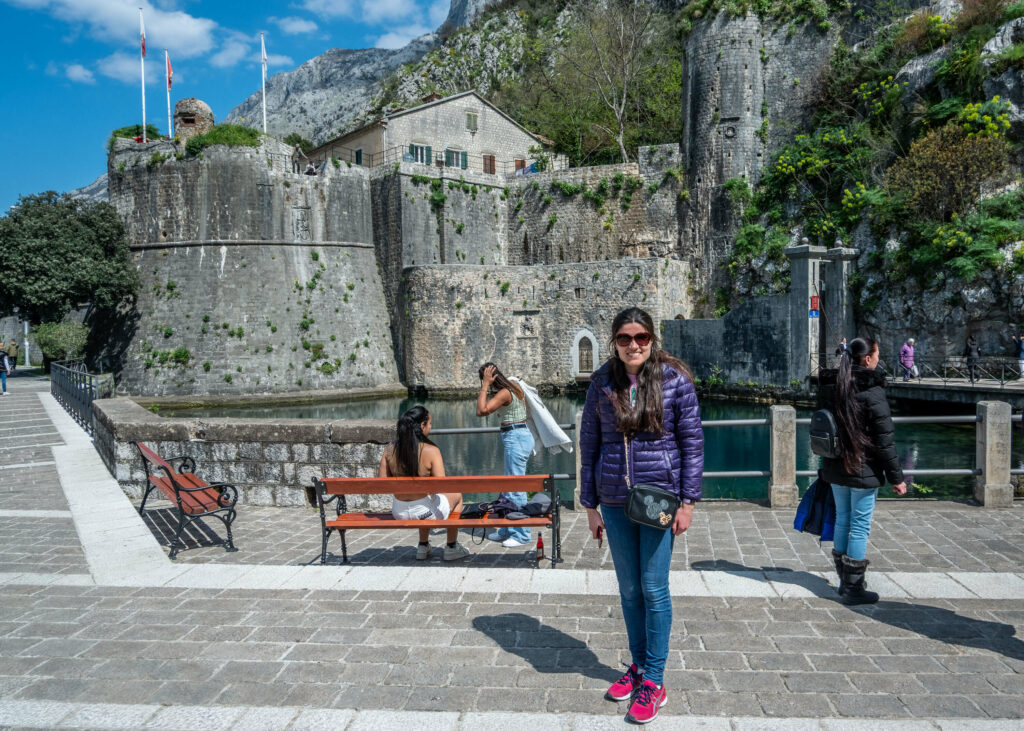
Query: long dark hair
x=410 y=434
x=649 y=414
x=500 y=381
x=849 y=412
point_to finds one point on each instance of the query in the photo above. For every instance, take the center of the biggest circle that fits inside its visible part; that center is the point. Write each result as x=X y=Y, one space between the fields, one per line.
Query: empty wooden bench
x=194 y=497
x=336 y=489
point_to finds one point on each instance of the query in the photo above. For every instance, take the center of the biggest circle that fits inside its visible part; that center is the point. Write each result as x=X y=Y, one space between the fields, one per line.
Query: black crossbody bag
x=649 y=505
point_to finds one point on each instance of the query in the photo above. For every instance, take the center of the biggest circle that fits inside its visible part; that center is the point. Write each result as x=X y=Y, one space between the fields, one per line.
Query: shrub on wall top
x=233 y=135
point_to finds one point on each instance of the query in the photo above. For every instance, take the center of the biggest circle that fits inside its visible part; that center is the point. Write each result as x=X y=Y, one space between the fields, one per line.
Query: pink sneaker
x=624 y=688
x=648 y=700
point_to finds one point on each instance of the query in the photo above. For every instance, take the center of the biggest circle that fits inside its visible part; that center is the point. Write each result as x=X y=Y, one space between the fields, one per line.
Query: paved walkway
x=98 y=629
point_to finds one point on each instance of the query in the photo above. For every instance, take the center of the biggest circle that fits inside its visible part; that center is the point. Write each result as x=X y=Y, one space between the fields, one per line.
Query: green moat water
x=934 y=446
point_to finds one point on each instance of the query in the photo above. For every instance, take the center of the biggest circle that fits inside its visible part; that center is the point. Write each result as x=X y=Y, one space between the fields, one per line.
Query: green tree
x=61 y=340
x=58 y=253
x=296 y=139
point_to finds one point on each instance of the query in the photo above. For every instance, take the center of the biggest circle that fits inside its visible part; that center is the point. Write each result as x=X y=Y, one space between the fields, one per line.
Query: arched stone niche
x=585 y=354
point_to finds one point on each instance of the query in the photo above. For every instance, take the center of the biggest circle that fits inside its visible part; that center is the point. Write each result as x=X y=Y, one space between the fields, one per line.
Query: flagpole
x=142 y=69
x=170 y=121
x=263 y=63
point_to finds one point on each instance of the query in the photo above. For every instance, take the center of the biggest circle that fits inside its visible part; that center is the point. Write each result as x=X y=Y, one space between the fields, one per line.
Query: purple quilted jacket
x=674 y=460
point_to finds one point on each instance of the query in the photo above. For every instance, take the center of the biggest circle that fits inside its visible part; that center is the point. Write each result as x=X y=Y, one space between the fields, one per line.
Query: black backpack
x=825 y=434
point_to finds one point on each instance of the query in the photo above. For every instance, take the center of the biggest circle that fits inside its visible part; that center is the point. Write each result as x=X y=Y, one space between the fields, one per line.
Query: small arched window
x=586 y=355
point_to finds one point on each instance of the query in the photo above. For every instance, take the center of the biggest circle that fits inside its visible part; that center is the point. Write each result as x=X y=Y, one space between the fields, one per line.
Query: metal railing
x=950 y=370
x=75 y=389
x=495 y=430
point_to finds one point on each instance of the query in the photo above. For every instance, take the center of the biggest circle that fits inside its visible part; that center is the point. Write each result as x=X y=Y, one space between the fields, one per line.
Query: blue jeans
x=3 y=380
x=642 y=556
x=518 y=445
x=854 y=508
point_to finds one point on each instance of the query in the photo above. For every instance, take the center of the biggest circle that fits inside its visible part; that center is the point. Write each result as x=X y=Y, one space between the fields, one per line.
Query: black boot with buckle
x=854 y=584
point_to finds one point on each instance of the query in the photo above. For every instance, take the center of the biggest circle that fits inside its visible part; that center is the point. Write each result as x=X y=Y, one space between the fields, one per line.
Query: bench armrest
x=188 y=464
x=228 y=492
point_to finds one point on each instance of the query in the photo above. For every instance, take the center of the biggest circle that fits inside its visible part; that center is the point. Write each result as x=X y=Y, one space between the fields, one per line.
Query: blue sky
x=71 y=67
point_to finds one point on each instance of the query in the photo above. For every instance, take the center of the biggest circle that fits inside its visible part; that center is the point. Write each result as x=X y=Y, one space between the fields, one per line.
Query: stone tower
x=192 y=117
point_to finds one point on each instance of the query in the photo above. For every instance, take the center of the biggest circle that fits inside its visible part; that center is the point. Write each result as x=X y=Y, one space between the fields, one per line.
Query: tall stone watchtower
x=192 y=117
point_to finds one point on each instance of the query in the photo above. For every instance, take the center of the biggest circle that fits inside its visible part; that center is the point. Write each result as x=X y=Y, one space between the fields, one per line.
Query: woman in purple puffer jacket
x=644 y=396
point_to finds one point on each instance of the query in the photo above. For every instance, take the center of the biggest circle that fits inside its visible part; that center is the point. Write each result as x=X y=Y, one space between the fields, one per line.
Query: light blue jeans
x=854 y=508
x=642 y=557
x=518 y=445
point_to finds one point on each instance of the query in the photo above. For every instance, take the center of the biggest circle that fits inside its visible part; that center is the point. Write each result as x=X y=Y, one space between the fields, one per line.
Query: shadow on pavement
x=547 y=649
x=942 y=625
x=814 y=584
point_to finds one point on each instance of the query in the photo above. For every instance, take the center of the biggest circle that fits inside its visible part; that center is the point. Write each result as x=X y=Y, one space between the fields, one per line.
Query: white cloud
x=117 y=21
x=400 y=37
x=294 y=26
x=125 y=67
x=375 y=11
x=330 y=8
x=277 y=59
x=80 y=74
x=438 y=12
x=51 y=68
x=235 y=48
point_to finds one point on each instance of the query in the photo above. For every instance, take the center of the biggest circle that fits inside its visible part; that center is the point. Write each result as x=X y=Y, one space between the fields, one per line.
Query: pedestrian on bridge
x=855 y=393
x=907 y=359
x=1018 y=346
x=972 y=352
x=641 y=424
x=5 y=369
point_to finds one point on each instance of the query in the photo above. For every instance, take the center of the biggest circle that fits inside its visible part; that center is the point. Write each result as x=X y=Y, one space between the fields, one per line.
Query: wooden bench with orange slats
x=194 y=497
x=336 y=489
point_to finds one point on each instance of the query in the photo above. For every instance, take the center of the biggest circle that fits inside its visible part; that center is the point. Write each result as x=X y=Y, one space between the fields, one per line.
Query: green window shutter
x=448 y=158
x=430 y=158
x=412 y=151
x=465 y=159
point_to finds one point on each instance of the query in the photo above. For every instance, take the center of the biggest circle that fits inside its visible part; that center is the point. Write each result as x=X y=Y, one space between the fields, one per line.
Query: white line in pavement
x=64 y=714
x=110 y=528
x=24 y=465
x=29 y=446
x=35 y=513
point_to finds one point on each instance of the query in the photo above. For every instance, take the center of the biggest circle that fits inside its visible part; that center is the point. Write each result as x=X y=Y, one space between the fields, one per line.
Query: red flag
x=142 y=33
x=170 y=71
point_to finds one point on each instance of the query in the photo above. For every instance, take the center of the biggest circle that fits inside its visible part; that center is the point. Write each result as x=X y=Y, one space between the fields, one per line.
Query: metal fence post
x=992 y=487
x=576 y=492
x=782 y=490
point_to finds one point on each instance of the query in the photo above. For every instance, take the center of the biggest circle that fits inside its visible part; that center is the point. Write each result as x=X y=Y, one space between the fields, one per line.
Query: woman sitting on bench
x=413 y=454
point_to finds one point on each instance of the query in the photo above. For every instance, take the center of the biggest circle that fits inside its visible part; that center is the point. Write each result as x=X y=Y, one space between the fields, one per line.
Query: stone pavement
x=98 y=629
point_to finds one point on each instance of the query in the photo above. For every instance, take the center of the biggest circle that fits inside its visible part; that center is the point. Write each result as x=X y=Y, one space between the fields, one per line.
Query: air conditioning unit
x=439 y=162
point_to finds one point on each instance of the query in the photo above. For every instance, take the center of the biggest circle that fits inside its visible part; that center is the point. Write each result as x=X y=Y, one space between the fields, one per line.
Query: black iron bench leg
x=325 y=533
x=344 y=546
x=230 y=547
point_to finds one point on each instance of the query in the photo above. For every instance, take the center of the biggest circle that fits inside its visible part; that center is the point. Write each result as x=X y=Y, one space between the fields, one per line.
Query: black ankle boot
x=838 y=558
x=854 y=585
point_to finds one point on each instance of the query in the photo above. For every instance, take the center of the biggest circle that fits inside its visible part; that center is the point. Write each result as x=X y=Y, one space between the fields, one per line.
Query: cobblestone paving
x=423 y=651
x=197 y=650
x=29 y=483
x=918 y=537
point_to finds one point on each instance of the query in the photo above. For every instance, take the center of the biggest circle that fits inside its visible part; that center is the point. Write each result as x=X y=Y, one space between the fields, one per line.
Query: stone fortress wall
x=530 y=320
x=246 y=242
x=252 y=278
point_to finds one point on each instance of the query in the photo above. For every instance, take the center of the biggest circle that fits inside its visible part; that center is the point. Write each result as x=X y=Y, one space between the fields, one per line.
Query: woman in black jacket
x=856 y=394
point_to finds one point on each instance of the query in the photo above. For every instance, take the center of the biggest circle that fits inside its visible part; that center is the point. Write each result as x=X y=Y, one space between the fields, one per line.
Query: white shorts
x=431 y=506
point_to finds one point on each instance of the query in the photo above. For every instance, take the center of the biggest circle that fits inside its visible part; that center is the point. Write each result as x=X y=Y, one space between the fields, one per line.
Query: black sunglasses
x=642 y=339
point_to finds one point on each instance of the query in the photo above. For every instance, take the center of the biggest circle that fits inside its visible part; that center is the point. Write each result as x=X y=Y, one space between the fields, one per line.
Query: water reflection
x=726 y=448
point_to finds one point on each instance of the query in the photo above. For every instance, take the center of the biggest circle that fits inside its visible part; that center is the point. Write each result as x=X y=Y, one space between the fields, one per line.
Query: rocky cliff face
x=94 y=192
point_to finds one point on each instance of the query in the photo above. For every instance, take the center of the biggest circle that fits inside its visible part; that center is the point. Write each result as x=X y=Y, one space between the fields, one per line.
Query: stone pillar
x=838 y=304
x=992 y=487
x=804 y=267
x=576 y=492
x=782 y=490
